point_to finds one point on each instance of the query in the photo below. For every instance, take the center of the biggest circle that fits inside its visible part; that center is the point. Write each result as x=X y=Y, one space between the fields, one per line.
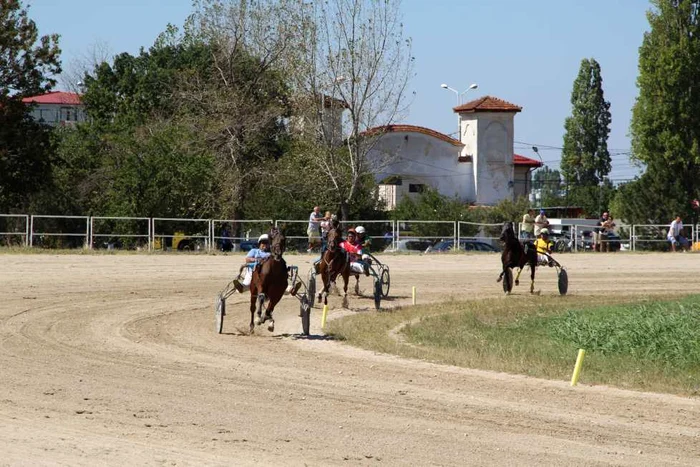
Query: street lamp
x=459 y=101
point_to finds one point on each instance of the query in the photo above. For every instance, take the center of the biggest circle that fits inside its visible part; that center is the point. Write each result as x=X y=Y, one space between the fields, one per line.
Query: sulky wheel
x=563 y=281
x=220 y=313
x=305 y=313
x=507 y=280
x=385 y=281
x=377 y=293
x=311 y=288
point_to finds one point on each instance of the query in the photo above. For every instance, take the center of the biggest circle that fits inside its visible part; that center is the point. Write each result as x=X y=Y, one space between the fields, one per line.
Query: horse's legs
x=260 y=301
x=274 y=298
x=532 y=277
x=500 y=276
x=253 y=302
x=517 y=276
x=357 y=284
x=346 y=279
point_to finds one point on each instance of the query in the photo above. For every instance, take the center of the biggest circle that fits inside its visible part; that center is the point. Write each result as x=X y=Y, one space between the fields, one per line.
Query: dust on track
x=114 y=360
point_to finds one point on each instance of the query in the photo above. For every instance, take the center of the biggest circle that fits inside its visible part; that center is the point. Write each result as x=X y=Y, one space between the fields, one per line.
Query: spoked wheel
x=377 y=293
x=311 y=288
x=385 y=281
x=305 y=312
x=563 y=281
x=508 y=280
x=220 y=313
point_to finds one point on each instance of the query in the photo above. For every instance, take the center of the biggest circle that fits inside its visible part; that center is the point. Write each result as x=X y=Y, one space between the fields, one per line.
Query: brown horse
x=515 y=255
x=269 y=281
x=334 y=262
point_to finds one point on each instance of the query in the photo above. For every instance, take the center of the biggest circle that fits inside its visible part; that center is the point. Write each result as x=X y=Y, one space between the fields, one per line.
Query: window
x=416 y=188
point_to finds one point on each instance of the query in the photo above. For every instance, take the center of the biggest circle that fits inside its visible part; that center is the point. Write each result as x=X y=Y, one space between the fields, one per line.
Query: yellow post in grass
x=414 y=294
x=323 y=316
x=577 y=368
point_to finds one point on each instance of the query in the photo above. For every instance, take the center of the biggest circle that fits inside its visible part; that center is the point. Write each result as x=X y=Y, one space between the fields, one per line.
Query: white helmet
x=263 y=238
x=360 y=230
x=544 y=232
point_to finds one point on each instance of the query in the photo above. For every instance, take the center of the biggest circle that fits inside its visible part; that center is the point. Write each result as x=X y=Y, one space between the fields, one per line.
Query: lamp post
x=459 y=101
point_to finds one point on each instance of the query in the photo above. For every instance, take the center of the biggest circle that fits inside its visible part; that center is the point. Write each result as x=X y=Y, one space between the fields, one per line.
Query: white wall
x=493 y=160
x=53 y=114
x=422 y=159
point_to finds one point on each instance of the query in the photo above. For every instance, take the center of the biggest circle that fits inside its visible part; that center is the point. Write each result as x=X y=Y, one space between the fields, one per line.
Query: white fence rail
x=19 y=219
x=125 y=232
x=54 y=233
x=196 y=234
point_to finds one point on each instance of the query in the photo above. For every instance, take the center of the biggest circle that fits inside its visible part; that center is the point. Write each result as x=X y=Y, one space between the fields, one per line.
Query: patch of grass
x=631 y=342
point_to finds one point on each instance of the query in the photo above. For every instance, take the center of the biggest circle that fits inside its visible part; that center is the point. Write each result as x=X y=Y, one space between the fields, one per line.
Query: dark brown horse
x=269 y=281
x=515 y=255
x=334 y=262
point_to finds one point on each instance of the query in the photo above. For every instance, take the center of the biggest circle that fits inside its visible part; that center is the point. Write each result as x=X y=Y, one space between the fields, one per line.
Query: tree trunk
x=344 y=211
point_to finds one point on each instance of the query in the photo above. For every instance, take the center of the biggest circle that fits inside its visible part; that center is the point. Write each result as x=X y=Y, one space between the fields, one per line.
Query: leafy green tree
x=28 y=64
x=665 y=125
x=547 y=183
x=586 y=161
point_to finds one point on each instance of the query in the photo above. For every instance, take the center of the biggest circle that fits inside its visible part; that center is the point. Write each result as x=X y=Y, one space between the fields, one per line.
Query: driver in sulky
x=544 y=249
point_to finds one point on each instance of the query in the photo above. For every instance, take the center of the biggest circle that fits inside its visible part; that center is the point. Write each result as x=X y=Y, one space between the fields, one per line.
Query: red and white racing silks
x=355 y=251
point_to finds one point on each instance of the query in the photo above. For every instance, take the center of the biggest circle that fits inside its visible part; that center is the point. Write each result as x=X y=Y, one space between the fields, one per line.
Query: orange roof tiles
x=488 y=104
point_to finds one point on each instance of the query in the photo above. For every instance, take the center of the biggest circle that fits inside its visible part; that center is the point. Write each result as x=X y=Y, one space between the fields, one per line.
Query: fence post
x=634 y=238
x=31 y=232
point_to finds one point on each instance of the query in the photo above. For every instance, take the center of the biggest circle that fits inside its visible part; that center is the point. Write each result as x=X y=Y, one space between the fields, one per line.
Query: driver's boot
x=317 y=269
x=365 y=266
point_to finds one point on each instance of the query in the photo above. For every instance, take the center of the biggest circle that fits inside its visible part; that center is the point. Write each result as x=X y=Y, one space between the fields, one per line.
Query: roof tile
x=488 y=104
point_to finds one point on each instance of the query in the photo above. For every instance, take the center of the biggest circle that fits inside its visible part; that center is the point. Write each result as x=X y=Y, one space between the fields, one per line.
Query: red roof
x=413 y=129
x=488 y=104
x=525 y=161
x=55 y=97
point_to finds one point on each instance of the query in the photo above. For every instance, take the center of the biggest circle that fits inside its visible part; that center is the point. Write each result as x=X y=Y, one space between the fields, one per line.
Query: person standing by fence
x=541 y=222
x=527 y=227
x=314 y=228
x=675 y=235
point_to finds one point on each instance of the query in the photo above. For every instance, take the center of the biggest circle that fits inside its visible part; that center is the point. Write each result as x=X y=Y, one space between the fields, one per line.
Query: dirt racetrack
x=113 y=360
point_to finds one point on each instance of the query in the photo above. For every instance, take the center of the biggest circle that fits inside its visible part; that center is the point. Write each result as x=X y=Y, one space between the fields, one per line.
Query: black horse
x=516 y=255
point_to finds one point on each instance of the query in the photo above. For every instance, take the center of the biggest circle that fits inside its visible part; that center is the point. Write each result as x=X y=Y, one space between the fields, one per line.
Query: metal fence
x=121 y=232
x=59 y=231
x=51 y=231
x=14 y=227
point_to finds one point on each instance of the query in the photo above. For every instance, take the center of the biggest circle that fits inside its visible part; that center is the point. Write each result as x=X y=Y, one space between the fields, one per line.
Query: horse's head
x=333 y=239
x=278 y=242
x=507 y=232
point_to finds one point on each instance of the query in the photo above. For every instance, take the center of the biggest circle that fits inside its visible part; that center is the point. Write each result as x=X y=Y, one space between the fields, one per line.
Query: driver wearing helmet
x=254 y=257
x=354 y=251
x=365 y=242
x=544 y=248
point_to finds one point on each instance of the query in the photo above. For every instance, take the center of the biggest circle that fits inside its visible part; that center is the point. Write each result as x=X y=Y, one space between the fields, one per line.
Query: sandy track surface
x=114 y=360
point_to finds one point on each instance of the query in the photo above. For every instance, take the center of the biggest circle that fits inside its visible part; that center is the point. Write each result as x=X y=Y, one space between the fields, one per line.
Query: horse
x=334 y=262
x=269 y=282
x=516 y=255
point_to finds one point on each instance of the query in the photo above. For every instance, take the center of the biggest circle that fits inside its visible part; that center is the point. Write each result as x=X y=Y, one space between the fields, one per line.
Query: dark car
x=464 y=245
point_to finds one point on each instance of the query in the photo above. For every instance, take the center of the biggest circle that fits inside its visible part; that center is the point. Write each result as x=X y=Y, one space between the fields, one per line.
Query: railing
x=33 y=220
x=22 y=234
x=112 y=234
x=207 y=233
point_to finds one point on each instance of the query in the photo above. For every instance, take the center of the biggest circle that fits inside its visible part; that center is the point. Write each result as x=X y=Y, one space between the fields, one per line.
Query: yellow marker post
x=414 y=294
x=323 y=316
x=577 y=368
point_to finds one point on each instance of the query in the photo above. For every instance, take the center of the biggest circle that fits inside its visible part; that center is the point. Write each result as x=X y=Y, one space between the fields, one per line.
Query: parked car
x=409 y=245
x=464 y=245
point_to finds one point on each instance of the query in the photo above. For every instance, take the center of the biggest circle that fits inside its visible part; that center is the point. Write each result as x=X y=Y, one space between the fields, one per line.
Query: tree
x=547 y=183
x=586 y=161
x=353 y=59
x=665 y=125
x=28 y=65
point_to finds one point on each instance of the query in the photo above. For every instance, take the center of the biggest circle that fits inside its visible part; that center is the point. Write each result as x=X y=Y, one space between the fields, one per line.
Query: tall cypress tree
x=665 y=124
x=586 y=161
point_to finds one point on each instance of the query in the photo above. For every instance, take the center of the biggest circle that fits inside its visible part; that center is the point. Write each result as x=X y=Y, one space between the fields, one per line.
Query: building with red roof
x=478 y=168
x=56 y=108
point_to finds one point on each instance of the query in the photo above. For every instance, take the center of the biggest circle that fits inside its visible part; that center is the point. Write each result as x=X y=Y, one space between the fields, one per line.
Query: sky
x=527 y=52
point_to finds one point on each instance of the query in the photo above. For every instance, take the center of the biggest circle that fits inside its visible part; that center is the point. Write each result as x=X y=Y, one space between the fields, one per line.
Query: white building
x=56 y=108
x=480 y=168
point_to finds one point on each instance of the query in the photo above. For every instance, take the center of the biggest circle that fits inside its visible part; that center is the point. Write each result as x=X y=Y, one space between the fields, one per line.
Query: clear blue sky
x=526 y=52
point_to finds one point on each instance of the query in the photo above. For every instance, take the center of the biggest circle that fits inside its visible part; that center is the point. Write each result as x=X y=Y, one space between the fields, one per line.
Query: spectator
x=226 y=243
x=527 y=227
x=603 y=228
x=325 y=228
x=675 y=235
x=541 y=222
x=314 y=229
